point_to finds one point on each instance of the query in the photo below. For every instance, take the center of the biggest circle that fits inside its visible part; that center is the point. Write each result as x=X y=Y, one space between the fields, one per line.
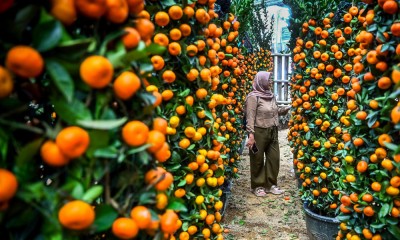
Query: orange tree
x=79 y=135
x=320 y=88
x=264 y=61
x=197 y=81
x=372 y=196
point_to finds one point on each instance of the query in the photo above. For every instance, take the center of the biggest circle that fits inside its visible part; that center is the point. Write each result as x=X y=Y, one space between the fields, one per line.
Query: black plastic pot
x=226 y=193
x=320 y=227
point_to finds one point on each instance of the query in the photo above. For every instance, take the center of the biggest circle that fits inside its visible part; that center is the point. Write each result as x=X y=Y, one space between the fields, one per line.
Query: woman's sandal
x=260 y=192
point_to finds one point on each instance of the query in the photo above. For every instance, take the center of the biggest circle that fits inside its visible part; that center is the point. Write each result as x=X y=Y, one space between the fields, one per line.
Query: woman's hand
x=250 y=141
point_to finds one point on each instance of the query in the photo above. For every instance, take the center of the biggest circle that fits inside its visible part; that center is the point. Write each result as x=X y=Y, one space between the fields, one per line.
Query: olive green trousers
x=265 y=173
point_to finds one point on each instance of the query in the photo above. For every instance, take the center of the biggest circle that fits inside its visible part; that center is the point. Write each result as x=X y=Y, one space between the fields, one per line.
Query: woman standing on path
x=262 y=115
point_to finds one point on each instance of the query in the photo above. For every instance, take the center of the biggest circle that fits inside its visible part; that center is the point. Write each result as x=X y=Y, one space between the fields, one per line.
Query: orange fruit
x=376 y=186
x=167 y=95
x=168 y=76
x=362 y=166
x=395 y=181
x=131 y=38
x=185 y=29
x=76 y=215
x=175 y=12
x=174 y=49
x=161 y=18
x=383 y=138
x=96 y=71
x=126 y=85
x=384 y=83
x=142 y=216
x=6 y=83
x=164 y=153
x=169 y=221
x=392 y=191
x=91 y=8
x=135 y=133
x=175 y=34
x=192 y=74
x=73 y=141
x=395 y=114
x=24 y=61
x=160 y=124
x=367 y=198
x=64 y=10
x=161 y=201
x=124 y=228
x=52 y=155
x=368 y=211
x=145 y=28
x=390 y=7
x=184 y=143
x=8 y=185
x=395 y=29
x=201 y=93
x=117 y=11
x=161 y=39
x=345 y=200
x=156 y=139
x=387 y=164
x=188 y=11
x=158 y=62
x=202 y=16
x=136 y=7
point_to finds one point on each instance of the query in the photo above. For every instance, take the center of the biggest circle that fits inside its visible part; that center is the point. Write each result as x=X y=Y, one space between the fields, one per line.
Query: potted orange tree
x=320 y=91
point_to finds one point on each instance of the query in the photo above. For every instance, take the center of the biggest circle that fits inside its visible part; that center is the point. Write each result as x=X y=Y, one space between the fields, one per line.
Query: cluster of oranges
x=131 y=118
x=95 y=157
x=319 y=94
x=345 y=119
x=371 y=179
x=260 y=60
x=199 y=80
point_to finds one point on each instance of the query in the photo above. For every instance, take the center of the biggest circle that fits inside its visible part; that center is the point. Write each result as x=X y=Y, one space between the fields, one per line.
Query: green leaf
x=147 y=198
x=219 y=172
x=182 y=183
x=74 y=49
x=138 y=149
x=384 y=210
x=47 y=34
x=185 y=226
x=71 y=112
x=394 y=230
x=108 y=152
x=27 y=152
x=167 y=3
x=392 y=146
x=102 y=124
x=221 y=139
x=108 y=39
x=105 y=216
x=134 y=55
x=184 y=93
x=61 y=79
x=385 y=47
x=93 y=193
x=22 y=19
x=3 y=147
x=98 y=139
x=177 y=205
x=155 y=49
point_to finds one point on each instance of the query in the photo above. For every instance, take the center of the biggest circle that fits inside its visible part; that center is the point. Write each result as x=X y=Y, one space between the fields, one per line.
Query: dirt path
x=271 y=217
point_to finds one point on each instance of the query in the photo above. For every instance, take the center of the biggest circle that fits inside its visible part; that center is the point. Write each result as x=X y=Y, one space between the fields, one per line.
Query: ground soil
x=271 y=217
